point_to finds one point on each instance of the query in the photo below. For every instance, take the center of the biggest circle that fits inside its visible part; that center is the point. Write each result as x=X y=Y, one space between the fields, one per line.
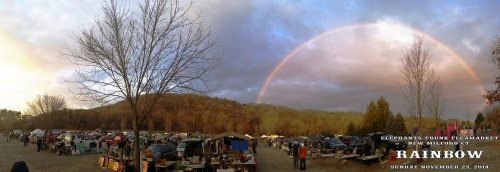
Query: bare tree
x=417 y=76
x=139 y=56
x=44 y=104
x=493 y=96
x=436 y=99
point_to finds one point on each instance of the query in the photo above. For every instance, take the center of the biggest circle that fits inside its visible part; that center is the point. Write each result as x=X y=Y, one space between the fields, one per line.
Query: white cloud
x=468 y=44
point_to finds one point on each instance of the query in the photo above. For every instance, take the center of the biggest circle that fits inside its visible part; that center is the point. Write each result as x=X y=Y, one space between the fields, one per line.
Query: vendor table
x=347 y=156
x=113 y=163
x=315 y=154
x=370 y=157
x=324 y=156
x=248 y=165
x=167 y=164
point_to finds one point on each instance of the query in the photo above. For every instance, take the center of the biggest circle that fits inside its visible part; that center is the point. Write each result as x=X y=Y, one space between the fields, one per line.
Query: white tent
x=95 y=133
x=263 y=136
x=38 y=132
x=248 y=136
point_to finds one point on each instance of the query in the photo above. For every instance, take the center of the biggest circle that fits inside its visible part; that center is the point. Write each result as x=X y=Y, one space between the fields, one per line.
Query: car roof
x=193 y=139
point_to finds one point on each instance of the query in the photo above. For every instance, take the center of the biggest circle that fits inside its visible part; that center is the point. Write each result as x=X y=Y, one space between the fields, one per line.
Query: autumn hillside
x=191 y=113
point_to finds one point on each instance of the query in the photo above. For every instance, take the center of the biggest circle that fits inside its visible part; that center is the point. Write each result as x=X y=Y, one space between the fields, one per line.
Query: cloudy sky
x=358 y=60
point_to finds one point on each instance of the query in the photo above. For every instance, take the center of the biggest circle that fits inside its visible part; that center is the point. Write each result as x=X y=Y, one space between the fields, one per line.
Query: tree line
x=211 y=115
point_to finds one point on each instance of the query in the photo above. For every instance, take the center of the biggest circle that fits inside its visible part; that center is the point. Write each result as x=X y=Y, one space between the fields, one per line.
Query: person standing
x=26 y=140
x=295 y=152
x=254 y=147
x=128 y=149
x=302 y=156
x=38 y=144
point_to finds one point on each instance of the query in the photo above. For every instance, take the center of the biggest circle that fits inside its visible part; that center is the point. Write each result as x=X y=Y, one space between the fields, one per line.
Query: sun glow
x=19 y=81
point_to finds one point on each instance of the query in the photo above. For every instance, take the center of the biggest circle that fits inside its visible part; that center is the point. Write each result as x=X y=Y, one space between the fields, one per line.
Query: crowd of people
x=25 y=137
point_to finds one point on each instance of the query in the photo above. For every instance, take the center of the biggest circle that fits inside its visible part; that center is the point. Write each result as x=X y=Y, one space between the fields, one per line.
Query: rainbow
x=350 y=27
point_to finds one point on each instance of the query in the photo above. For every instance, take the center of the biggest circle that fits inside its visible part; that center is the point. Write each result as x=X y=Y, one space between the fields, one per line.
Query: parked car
x=395 y=144
x=68 y=137
x=347 y=140
x=302 y=140
x=51 y=138
x=335 y=144
x=110 y=137
x=163 y=151
x=194 y=155
x=358 y=145
x=376 y=138
x=180 y=148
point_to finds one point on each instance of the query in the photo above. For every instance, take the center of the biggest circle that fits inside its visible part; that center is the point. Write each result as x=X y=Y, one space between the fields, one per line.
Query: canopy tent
x=248 y=136
x=229 y=134
x=38 y=131
x=95 y=133
x=263 y=136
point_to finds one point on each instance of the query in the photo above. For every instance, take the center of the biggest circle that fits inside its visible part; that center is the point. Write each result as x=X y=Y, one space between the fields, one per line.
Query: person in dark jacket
x=295 y=152
x=127 y=149
x=290 y=149
x=26 y=140
x=19 y=166
x=254 y=147
x=38 y=145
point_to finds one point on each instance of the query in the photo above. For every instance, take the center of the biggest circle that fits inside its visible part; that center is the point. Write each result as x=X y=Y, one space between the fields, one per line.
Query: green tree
x=399 y=125
x=350 y=129
x=369 y=117
x=8 y=117
x=376 y=114
x=389 y=124
x=479 y=119
x=383 y=113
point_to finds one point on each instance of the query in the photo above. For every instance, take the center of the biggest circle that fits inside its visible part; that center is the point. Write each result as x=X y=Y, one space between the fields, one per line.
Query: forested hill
x=190 y=113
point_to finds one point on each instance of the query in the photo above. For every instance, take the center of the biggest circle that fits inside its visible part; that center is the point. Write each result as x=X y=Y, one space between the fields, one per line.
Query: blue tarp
x=241 y=145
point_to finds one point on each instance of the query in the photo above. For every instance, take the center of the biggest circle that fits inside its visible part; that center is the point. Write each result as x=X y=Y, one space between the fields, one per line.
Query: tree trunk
x=137 y=152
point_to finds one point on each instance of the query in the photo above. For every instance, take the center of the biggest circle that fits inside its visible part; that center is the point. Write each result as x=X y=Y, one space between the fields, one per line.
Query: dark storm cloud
x=342 y=71
x=347 y=70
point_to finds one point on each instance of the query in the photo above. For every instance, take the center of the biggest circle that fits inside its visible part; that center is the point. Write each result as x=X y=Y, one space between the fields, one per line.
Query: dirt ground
x=271 y=159
x=14 y=151
x=268 y=159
